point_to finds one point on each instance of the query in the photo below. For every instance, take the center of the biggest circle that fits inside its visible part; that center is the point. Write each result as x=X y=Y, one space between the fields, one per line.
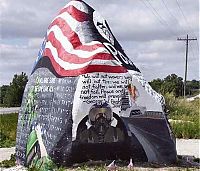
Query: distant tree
x=195 y=84
x=156 y=84
x=3 y=90
x=14 y=94
x=172 y=84
x=192 y=87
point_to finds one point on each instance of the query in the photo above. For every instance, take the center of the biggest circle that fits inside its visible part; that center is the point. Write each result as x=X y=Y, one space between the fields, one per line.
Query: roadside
x=186 y=148
x=5 y=153
x=193 y=98
x=9 y=110
x=189 y=147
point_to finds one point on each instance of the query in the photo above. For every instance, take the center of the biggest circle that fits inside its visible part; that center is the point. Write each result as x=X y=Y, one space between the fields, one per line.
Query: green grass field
x=184 y=116
x=8 y=126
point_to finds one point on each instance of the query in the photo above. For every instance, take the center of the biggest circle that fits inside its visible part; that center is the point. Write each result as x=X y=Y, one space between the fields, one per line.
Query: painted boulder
x=85 y=99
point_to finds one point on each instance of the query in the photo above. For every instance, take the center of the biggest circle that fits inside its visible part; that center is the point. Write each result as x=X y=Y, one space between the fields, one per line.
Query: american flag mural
x=86 y=100
x=74 y=45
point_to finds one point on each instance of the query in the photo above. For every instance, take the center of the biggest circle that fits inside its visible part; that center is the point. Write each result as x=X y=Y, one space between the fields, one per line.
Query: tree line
x=11 y=95
x=174 y=84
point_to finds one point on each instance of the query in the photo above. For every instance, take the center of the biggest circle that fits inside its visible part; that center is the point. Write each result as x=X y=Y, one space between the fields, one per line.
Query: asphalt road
x=9 y=110
x=5 y=153
x=190 y=147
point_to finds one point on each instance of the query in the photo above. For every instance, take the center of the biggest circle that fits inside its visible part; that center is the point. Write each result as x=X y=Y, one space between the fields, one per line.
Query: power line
x=186 y=21
x=156 y=12
x=181 y=10
x=158 y=16
x=191 y=47
x=173 y=16
x=169 y=11
x=187 y=39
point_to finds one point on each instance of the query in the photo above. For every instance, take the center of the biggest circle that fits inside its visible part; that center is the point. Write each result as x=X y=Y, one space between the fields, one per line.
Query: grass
x=187 y=114
x=179 y=109
x=8 y=127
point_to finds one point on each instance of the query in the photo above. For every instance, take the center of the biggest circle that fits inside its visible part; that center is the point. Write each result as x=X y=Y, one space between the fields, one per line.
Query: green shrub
x=185 y=130
x=187 y=114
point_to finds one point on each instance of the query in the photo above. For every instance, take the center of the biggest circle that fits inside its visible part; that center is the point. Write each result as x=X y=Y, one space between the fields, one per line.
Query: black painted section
x=124 y=150
x=50 y=100
x=45 y=62
x=157 y=133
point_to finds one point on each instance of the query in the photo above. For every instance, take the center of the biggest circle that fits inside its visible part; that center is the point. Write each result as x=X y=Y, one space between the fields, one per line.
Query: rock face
x=85 y=99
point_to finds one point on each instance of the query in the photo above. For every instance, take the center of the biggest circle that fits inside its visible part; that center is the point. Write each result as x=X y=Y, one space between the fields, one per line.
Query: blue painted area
x=40 y=53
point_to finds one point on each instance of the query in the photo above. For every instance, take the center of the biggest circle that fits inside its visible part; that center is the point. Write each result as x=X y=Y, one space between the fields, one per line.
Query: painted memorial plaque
x=85 y=99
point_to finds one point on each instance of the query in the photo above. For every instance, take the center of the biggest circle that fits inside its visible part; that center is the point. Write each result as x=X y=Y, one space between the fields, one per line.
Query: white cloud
x=35 y=43
x=15 y=59
x=151 y=45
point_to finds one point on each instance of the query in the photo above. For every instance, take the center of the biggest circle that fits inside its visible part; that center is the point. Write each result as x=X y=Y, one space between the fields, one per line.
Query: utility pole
x=186 y=58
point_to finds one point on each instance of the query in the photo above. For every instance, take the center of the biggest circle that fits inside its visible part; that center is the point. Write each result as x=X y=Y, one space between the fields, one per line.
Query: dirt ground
x=186 y=149
x=181 y=165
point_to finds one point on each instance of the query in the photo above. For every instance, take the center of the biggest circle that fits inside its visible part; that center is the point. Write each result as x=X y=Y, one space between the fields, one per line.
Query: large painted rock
x=85 y=99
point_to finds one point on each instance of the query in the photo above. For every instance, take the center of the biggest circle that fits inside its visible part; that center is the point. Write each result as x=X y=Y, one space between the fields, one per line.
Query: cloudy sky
x=146 y=29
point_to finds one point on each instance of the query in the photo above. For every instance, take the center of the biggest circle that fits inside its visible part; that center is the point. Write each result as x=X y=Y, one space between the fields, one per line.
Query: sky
x=146 y=29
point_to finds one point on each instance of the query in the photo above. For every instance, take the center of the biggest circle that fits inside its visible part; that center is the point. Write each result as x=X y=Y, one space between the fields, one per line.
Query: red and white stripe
x=67 y=49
